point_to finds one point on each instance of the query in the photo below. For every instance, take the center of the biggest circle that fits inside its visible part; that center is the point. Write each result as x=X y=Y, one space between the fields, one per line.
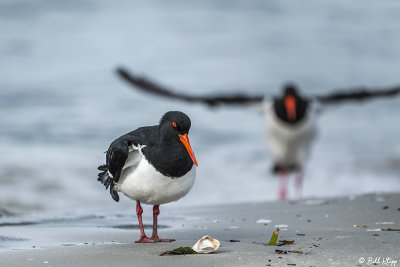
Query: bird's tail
x=106 y=178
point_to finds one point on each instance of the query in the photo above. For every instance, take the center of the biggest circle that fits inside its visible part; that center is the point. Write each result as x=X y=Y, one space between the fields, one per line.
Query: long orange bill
x=290 y=105
x=185 y=140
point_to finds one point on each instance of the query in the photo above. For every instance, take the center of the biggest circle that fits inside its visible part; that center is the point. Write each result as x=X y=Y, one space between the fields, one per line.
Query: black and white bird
x=291 y=119
x=152 y=165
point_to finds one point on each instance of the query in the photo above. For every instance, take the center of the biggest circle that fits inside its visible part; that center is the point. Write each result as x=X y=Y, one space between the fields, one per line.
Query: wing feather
x=148 y=86
x=116 y=158
x=357 y=94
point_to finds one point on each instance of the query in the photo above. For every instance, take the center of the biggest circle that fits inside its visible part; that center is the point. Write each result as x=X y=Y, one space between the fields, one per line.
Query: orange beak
x=290 y=105
x=185 y=141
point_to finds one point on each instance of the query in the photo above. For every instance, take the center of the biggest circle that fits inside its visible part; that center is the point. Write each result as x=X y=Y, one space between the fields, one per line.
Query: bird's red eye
x=174 y=124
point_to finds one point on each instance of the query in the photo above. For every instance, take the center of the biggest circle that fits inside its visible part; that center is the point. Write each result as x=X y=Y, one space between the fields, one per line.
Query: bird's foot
x=282 y=194
x=145 y=239
x=157 y=239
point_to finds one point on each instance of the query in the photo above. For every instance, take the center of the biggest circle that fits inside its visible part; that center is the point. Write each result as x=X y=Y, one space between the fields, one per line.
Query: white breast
x=290 y=144
x=142 y=182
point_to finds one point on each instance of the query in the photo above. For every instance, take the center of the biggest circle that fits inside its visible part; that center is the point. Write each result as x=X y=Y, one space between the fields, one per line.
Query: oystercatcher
x=152 y=165
x=291 y=119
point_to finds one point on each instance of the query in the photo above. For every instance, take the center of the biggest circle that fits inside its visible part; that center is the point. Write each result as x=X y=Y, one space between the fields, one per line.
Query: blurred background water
x=61 y=103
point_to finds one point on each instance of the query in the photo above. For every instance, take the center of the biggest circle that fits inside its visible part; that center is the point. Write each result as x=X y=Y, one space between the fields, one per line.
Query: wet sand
x=335 y=231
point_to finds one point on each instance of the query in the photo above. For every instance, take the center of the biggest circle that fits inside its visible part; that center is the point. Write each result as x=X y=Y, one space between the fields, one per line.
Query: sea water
x=62 y=104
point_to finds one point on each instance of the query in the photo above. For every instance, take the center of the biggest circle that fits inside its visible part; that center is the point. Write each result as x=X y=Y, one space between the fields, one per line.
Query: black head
x=174 y=127
x=291 y=107
x=290 y=89
x=174 y=123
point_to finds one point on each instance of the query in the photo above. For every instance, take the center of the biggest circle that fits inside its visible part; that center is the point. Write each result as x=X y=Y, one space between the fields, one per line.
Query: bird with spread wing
x=291 y=118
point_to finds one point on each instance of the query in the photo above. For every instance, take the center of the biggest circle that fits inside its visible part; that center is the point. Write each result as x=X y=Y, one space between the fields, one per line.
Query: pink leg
x=143 y=237
x=299 y=185
x=284 y=184
x=154 y=236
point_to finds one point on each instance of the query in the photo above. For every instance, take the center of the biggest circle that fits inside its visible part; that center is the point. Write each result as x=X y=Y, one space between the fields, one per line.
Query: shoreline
x=327 y=231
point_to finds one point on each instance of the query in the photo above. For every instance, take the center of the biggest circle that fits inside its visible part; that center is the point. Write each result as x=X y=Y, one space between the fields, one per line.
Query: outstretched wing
x=146 y=85
x=357 y=94
x=116 y=157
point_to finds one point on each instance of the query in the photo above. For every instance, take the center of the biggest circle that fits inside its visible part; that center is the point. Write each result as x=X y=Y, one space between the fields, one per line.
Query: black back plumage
x=162 y=149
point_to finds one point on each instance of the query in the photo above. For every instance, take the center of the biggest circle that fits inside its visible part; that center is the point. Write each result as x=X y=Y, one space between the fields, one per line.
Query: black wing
x=152 y=87
x=358 y=94
x=116 y=157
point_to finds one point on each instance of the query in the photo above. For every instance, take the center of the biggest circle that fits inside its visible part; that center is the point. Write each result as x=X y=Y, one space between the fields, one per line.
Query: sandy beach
x=347 y=231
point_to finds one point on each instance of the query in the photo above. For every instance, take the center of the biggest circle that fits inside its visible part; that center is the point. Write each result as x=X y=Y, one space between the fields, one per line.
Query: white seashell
x=206 y=245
